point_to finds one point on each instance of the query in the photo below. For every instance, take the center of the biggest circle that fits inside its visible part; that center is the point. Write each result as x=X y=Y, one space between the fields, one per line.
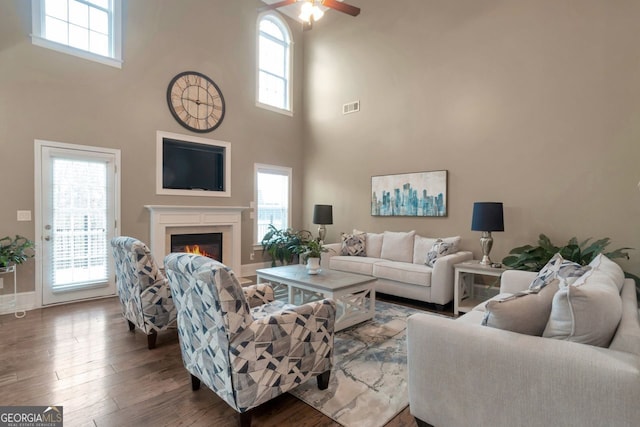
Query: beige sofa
x=464 y=374
x=397 y=260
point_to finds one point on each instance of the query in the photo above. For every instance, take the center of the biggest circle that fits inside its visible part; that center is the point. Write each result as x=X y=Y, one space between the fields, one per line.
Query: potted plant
x=311 y=249
x=15 y=251
x=281 y=244
x=534 y=258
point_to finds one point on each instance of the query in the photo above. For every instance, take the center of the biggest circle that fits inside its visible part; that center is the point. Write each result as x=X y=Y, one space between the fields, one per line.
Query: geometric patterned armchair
x=246 y=356
x=143 y=290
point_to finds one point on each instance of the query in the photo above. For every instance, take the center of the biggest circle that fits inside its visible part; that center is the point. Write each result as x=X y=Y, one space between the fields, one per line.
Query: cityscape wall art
x=409 y=194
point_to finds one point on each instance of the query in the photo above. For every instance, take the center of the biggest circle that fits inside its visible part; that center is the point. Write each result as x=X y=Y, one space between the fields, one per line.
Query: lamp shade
x=487 y=216
x=323 y=214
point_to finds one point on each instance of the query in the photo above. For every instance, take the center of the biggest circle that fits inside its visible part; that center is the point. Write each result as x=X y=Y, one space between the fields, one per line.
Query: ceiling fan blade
x=276 y=5
x=342 y=7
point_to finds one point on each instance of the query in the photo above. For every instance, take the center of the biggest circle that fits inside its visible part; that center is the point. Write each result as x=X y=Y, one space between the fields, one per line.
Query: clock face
x=195 y=101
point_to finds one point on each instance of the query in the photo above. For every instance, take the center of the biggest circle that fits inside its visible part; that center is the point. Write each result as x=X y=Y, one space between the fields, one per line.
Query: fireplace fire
x=205 y=244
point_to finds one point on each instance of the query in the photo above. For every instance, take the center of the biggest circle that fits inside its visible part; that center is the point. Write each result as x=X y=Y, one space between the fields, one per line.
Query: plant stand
x=8 y=270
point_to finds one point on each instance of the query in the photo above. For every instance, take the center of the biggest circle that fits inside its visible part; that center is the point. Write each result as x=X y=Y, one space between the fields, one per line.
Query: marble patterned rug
x=368 y=385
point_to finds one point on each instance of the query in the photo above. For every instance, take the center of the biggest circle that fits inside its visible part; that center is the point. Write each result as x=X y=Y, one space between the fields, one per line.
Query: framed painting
x=409 y=194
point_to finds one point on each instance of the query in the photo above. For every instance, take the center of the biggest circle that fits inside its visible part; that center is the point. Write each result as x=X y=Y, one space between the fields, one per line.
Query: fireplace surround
x=166 y=220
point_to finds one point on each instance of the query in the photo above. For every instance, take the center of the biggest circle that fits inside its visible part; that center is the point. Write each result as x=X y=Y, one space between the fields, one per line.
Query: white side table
x=12 y=269
x=463 y=293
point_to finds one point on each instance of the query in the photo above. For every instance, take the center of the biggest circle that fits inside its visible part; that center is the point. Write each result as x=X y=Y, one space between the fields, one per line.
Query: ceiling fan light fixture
x=309 y=10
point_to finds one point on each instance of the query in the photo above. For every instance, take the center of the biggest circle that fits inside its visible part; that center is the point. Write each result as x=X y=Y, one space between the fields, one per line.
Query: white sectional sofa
x=397 y=260
x=462 y=373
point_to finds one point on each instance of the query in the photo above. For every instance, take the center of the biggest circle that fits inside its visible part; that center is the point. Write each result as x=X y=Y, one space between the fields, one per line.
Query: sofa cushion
x=374 y=244
x=525 y=312
x=398 y=246
x=353 y=264
x=404 y=272
x=439 y=249
x=558 y=267
x=422 y=245
x=588 y=311
x=353 y=244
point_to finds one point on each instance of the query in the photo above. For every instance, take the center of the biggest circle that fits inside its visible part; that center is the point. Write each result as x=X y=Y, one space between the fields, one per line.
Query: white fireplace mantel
x=166 y=217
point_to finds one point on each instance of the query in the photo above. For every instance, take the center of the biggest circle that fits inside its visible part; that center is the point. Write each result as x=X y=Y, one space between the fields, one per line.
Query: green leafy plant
x=534 y=258
x=15 y=251
x=311 y=248
x=282 y=244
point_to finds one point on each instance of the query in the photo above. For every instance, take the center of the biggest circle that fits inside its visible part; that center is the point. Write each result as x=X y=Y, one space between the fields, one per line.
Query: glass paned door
x=79 y=200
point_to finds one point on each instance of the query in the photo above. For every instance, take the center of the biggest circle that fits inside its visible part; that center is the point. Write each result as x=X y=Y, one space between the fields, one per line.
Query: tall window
x=274 y=64
x=273 y=199
x=90 y=29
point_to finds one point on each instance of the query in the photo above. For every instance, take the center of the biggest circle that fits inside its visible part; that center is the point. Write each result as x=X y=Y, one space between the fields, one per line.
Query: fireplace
x=205 y=244
x=166 y=221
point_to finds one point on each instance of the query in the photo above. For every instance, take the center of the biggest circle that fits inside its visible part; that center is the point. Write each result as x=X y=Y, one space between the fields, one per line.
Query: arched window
x=274 y=64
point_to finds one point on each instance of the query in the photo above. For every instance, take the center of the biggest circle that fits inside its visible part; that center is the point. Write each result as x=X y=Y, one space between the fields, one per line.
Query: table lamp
x=487 y=217
x=322 y=215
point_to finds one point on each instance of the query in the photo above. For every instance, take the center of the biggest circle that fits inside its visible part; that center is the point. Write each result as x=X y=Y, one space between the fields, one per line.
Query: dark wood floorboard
x=83 y=357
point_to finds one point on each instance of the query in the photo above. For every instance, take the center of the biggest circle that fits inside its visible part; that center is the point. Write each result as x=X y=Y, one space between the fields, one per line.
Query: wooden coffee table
x=354 y=294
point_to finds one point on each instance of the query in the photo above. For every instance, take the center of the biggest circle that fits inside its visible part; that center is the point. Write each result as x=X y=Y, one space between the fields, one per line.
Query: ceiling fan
x=311 y=11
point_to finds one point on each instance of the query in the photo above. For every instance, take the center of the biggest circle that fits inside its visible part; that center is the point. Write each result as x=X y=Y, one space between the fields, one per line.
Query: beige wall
x=532 y=103
x=57 y=97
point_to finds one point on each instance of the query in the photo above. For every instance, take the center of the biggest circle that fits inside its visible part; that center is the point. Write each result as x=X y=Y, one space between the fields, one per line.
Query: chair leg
x=151 y=340
x=244 y=418
x=131 y=325
x=195 y=383
x=323 y=379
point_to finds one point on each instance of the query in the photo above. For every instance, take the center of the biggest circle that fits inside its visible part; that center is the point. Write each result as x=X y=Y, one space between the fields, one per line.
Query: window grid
x=273 y=88
x=89 y=29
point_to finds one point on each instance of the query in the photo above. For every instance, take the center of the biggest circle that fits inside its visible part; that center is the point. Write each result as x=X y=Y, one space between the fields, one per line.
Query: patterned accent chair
x=143 y=290
x=246 y=356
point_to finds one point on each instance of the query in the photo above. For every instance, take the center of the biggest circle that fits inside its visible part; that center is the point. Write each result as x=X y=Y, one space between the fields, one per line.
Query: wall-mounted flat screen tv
x=193 y=166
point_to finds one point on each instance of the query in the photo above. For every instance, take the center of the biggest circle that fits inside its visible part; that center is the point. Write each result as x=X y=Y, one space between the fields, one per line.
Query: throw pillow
x=558 y=267
x=421 y=245
x=587 y=312
x=374 y=244
x=439 y=249
x=525 y=312
x=353 y=245
x=398 y=246
x=609 y=268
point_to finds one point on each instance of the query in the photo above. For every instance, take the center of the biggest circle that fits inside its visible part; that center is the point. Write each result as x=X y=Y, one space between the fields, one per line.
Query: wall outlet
x=252 y=256
x=24 y=216
x=1 y=283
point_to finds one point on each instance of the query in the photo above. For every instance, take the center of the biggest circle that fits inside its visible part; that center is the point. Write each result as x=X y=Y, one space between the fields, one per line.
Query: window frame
x=275 y=170
x=281 y=23
x=115 y=35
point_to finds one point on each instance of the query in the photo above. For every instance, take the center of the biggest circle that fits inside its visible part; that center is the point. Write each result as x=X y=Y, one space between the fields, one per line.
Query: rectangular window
x=90 y=29
x=273 y=198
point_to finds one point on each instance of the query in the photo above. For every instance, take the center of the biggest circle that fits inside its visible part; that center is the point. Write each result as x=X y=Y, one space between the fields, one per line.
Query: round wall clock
x=195 y=101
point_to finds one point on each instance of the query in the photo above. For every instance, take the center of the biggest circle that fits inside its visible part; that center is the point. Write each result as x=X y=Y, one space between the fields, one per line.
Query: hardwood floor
x=83 y=357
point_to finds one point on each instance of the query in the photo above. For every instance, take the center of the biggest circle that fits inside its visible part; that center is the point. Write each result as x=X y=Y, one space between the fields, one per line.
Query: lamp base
x=322 y=232
x=486 y=242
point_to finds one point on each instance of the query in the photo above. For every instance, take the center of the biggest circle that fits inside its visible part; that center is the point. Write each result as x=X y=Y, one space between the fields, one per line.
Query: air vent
x=351 y=107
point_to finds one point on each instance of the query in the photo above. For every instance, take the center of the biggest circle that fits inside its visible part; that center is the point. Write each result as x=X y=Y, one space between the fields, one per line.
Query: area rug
x=368 y=385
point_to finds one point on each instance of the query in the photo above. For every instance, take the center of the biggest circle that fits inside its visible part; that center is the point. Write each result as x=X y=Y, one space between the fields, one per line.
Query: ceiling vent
x=351 y=107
